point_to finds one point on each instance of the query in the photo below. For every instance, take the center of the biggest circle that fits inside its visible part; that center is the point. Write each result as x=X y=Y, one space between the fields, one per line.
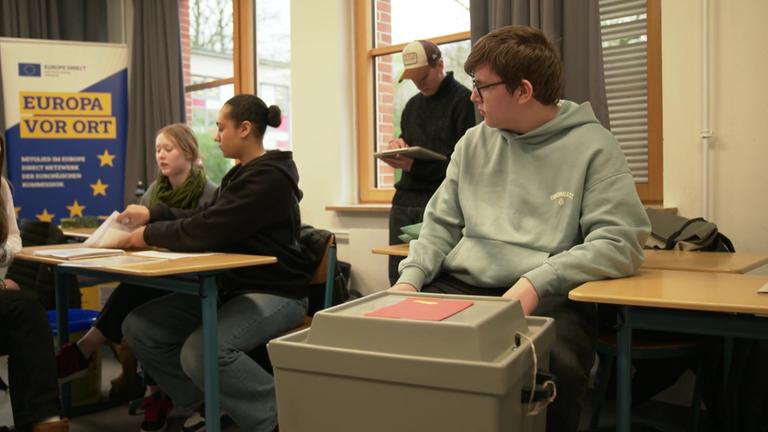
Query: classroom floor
x=115 y=419
x=656 y=416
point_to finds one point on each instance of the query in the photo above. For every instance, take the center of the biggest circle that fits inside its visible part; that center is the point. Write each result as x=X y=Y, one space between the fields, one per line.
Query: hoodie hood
x=570 y=115
x=283 y=162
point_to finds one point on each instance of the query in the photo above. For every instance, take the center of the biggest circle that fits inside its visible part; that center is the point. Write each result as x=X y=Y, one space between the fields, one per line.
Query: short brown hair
x=515 y=53
x=184 y=138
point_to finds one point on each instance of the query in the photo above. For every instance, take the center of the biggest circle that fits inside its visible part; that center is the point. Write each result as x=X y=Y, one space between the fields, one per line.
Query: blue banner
x=66 y=122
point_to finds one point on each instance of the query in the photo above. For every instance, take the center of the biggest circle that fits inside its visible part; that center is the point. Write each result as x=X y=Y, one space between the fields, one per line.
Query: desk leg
x=62 y=324
x=210 y=350
x=624 y=369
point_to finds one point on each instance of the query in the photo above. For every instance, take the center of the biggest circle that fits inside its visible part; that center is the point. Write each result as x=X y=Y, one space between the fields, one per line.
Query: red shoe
x=156 y=408
x=70 y=363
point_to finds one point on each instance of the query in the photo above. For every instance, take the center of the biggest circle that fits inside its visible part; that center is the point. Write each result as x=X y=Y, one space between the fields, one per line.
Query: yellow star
x=105 y=159
x=75 y=209
x=45 y=216
x=99 y=188
x=17 y=210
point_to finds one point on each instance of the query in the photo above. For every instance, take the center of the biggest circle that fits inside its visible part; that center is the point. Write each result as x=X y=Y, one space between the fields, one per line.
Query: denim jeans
x=166 y=336
x=124 y=299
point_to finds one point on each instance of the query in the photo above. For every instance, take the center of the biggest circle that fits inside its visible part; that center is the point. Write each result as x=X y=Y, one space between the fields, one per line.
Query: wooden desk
x=195 y=276
x=393 y=250
x=720 y=262
x=715 y=262
x=716 y=304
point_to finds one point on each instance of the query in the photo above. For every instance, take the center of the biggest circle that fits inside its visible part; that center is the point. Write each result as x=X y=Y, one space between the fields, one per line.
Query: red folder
x=422 y=308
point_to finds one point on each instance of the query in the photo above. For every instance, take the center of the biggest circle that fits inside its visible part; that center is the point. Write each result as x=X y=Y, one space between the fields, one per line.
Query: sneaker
x=156 y=408
x=61 y=425
x=70 y=363
x=196 y=421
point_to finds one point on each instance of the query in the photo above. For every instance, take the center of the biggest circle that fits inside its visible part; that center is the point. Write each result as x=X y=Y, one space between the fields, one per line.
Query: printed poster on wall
x=66 y=113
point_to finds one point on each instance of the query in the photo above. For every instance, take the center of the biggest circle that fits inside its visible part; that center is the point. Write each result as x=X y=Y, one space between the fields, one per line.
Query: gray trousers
x=166 y=336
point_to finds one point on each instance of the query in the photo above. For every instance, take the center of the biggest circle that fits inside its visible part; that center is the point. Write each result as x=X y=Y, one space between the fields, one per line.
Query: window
x=218 y=55
x=632 y=65
x=632 y=54
x=273 y=55
x=383 y=28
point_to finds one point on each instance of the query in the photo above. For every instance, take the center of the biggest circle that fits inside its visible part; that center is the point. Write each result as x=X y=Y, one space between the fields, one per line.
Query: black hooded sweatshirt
x=255 y=211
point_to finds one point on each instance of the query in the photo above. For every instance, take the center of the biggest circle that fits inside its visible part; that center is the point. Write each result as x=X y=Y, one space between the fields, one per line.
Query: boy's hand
x=134 y=241
x=404 y=163
x=404 y=287
x=134 y=216
x=399 y=161
x=524 y=291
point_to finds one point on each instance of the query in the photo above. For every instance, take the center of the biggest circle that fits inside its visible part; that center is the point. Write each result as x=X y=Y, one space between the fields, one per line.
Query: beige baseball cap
x=418 y=56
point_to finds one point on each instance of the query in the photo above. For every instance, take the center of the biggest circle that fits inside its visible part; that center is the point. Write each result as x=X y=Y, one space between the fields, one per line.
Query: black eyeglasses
x=484 y=86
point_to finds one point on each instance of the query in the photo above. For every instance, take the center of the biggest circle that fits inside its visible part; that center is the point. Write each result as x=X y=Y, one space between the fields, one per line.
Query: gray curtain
x=77 y=20
x=156 y=86
x=573 y=25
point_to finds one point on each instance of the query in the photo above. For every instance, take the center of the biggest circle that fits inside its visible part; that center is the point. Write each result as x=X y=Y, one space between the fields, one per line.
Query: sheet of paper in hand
x=109 y=234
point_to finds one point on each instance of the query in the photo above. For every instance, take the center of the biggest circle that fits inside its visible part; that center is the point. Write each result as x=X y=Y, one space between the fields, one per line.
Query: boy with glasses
x=537 y=200
x=435 y=118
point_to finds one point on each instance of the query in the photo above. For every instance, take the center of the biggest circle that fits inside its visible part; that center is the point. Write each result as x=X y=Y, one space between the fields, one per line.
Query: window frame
x=244 y=51
x=244 y=40
x=652 y=192
x=365 y=55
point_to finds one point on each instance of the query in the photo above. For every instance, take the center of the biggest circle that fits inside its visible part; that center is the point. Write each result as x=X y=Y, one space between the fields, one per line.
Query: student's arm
x=162 y=212
x=443 y=222
x=615 y=227
x=249 y=204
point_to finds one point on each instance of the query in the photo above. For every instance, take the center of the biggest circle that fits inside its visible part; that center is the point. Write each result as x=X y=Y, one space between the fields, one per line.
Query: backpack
x=669 y=231
x=313 y=242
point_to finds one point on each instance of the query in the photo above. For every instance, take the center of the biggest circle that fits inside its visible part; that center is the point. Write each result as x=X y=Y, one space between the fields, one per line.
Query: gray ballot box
x=468 y=372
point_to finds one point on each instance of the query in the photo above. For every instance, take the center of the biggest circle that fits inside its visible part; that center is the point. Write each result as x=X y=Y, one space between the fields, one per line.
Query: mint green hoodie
x=556 y=205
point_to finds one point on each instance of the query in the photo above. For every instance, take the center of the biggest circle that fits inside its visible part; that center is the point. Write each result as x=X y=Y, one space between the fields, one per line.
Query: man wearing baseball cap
x=435 y=118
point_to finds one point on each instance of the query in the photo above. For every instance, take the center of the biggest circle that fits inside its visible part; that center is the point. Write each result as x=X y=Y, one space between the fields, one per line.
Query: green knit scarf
x=184 y=197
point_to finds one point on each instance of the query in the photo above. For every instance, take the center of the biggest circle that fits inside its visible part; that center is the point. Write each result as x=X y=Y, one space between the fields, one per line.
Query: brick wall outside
x=385 y=94
x=186 y=48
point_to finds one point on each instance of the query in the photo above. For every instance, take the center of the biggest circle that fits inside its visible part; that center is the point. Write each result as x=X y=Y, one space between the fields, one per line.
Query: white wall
x=322 y=100
x=739 y=101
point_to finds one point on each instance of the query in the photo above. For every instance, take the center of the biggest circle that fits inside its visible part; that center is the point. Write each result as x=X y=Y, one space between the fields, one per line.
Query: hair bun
x=274 y=117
